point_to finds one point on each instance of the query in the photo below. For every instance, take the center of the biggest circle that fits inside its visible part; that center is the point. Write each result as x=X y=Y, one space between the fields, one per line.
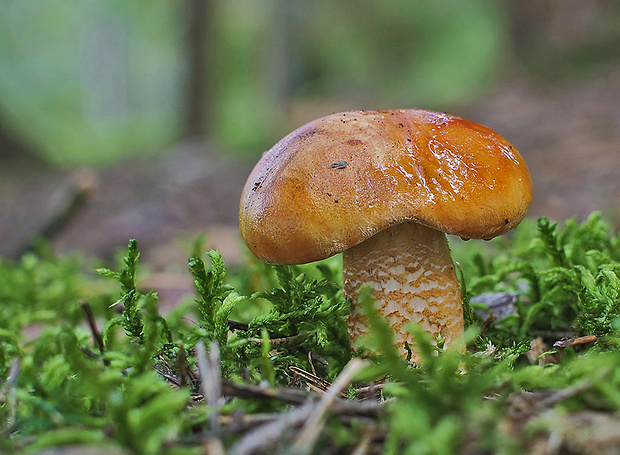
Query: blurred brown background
x=124 y=120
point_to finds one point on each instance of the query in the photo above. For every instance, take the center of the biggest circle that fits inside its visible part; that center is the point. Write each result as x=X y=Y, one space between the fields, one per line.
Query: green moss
x=139 y=392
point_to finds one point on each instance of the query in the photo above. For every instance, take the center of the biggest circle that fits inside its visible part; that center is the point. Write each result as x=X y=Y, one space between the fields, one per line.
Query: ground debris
x=500 y=304
x=539 y=353
x=575 y=341
x=306 y=406
x=584 y=432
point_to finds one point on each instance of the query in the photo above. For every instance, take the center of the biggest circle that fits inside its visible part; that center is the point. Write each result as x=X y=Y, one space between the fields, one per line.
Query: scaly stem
x=410 y=271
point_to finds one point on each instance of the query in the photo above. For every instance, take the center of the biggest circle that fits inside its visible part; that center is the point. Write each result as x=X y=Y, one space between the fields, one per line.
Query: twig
x=211 y=385
x=314 y=356
x=318 y=358
x=90 y=353
x=238 y=423
x=312 y=381
x=372 y=390
x=561 y=344
x=277 y=341
x=310 y=431
x=299 y=396
x=182 y=366
x=12 y=395
x=278 y=430
x=236 y=325
x=92 y=323
x=311 y=363
x=69 y=198
x=268 y=435
x=362 y=447
x=286 y=395
x=214 y=446
x=211 y=388
x=490 y=319
x=565 y=394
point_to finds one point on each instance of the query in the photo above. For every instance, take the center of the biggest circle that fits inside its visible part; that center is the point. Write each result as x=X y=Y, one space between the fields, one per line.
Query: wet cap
x=340 y=179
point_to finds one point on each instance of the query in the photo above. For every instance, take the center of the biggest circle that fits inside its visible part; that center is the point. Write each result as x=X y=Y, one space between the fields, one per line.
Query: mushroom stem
x=409 y=269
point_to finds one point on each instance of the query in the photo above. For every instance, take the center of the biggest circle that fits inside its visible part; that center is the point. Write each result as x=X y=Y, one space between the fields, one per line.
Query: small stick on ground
x=575 y=341
x=182 y=366
x=285 y=395
x=311 y=380
x=565 y=394
x=236 y=325
x=81 y=185
x=261 y=439
x=92 y=323
x=266 y=437
x=318 y=358
x=490 y=319
x=311 y=363
x=363 y=446
x=210 y=382
x=277 y=341
x=296 y=396
x=312 y=428
x=12 y=394
x=211 y=388
x=90 y=353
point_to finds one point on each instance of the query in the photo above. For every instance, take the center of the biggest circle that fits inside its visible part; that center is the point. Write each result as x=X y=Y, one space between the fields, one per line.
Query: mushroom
x=383 y=188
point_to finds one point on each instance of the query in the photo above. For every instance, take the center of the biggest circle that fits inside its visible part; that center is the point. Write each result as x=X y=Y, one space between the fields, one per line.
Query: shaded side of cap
x=340 y=179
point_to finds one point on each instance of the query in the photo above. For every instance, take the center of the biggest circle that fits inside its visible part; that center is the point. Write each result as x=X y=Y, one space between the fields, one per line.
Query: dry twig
x=92 y=323
x=575 y=341
x=315 y=422
x=210 y=384
x=313 y=413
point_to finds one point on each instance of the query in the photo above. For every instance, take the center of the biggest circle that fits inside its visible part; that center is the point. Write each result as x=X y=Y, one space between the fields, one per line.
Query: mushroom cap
x=340 y=179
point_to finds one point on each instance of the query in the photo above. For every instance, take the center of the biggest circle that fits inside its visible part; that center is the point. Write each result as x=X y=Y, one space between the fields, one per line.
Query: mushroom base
x=410 y=271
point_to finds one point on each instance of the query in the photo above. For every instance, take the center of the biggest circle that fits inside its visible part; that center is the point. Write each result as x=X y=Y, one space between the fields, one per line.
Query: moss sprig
x=216 y=299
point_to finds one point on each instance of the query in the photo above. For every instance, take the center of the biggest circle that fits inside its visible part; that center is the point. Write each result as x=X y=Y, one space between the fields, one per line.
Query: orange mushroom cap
x=340 y=179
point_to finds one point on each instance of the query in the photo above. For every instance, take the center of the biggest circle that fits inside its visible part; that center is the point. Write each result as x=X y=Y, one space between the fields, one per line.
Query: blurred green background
x=169 y=103
x=90 y=82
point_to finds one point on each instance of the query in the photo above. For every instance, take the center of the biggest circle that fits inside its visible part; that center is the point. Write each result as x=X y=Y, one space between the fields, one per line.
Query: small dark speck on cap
x=339 y=165
x=506 y=221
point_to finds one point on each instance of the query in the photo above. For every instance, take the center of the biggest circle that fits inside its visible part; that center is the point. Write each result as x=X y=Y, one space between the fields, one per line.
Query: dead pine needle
x=311 y=381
